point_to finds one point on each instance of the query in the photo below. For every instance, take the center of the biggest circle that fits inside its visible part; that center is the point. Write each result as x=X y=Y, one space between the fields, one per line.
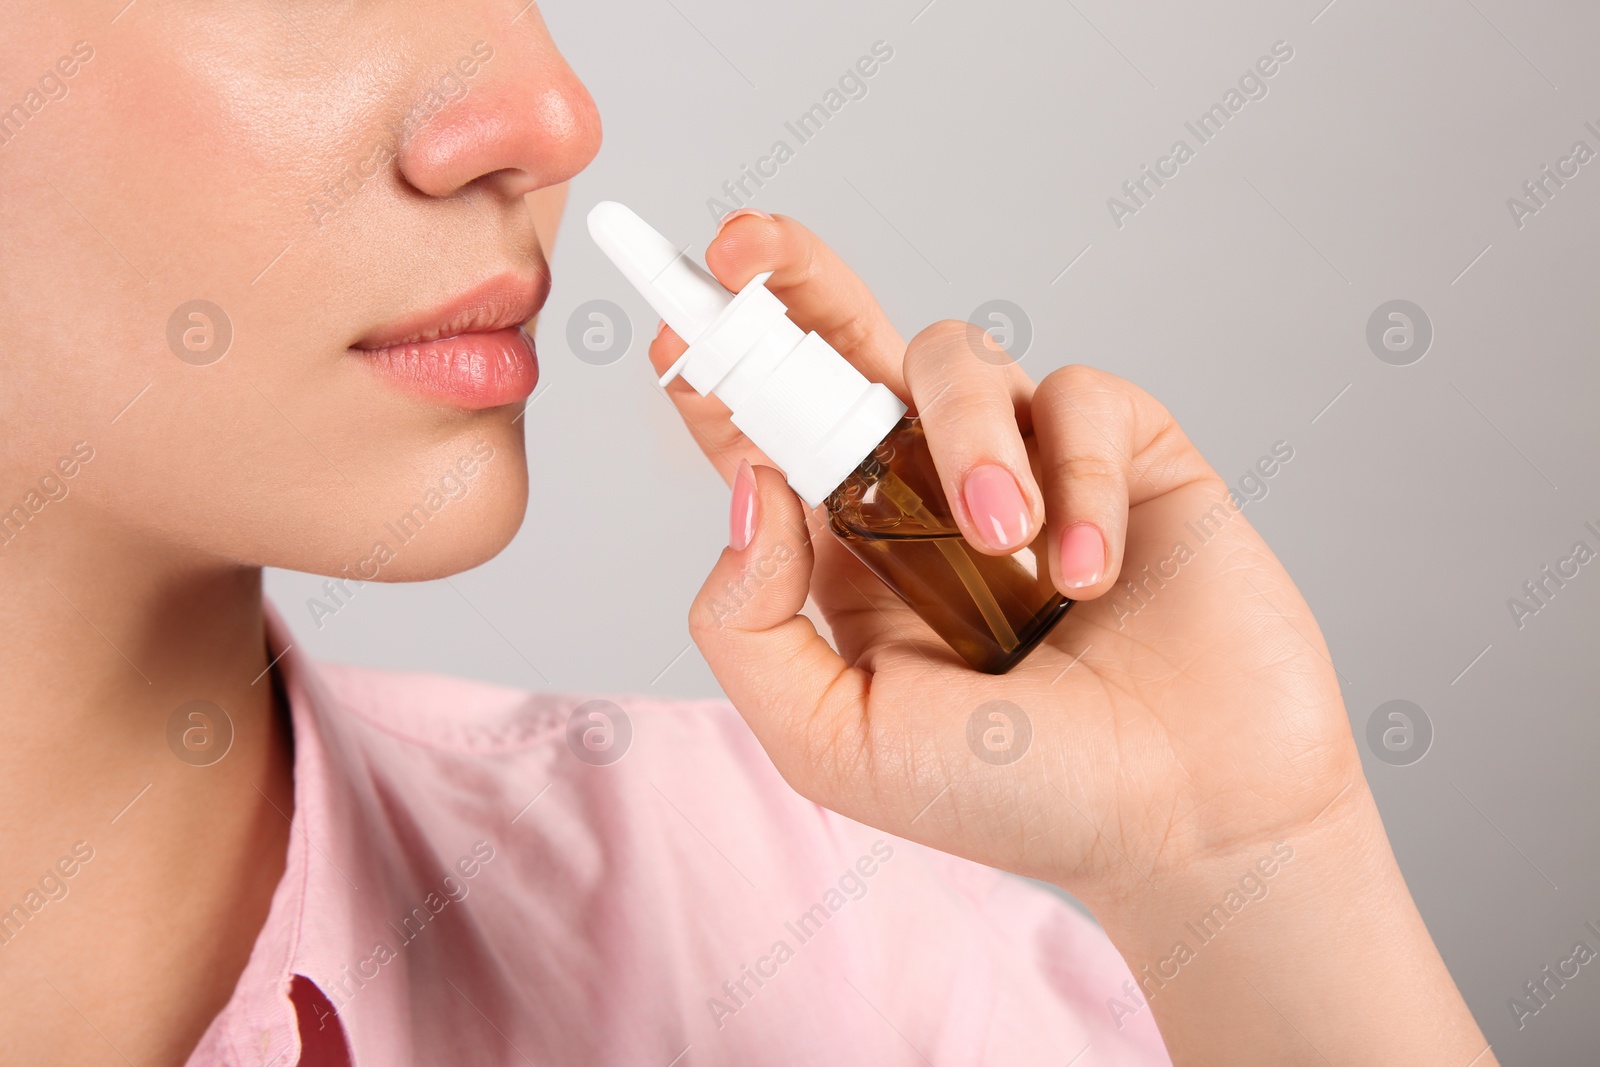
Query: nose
x=519 y=121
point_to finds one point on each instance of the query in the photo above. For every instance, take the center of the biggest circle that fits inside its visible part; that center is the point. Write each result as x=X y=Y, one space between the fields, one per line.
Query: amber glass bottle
x=892 y=513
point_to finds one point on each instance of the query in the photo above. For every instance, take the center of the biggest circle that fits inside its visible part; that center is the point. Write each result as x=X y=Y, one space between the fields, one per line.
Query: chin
x=448 y=525
x=463 y=533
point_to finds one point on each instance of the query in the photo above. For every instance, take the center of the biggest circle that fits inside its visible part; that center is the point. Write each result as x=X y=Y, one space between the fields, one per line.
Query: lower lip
x=472 y=371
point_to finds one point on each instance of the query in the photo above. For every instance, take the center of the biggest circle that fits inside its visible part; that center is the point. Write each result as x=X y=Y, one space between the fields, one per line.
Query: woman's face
x=348 y=202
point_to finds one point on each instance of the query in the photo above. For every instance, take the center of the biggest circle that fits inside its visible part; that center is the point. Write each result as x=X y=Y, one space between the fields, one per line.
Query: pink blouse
x=478 y=875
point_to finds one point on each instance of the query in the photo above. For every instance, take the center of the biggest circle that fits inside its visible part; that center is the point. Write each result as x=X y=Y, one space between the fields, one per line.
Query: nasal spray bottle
x=843 y=442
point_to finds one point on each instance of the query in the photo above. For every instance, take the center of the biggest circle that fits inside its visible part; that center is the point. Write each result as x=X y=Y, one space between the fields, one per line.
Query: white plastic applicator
x=682 y=293
x=790 y=392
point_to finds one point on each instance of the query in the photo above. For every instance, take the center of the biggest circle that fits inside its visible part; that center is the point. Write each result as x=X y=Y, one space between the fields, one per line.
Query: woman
x=265 y=269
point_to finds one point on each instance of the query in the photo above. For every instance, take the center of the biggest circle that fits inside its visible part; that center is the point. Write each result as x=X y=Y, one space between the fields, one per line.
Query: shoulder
x=473 y=718
x=582 y=786
x=429 y=735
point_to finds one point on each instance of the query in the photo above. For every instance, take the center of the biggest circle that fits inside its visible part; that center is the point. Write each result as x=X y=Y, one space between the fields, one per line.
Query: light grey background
x=979 y=166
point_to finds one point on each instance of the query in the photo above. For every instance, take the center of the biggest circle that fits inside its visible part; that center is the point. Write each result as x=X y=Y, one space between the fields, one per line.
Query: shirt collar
x=322 y=922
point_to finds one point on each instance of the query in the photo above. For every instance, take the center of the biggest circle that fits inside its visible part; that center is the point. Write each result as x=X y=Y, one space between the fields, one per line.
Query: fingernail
x=996 y=506
x=660 y=326
x=1083 y=555
x=739 y=214
x=742 y=509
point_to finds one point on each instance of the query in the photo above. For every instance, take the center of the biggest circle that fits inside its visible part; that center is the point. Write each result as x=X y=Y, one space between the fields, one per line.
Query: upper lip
x=503 y=301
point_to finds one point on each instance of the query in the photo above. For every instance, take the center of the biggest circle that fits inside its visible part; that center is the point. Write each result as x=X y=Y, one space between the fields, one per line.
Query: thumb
x=787 y=681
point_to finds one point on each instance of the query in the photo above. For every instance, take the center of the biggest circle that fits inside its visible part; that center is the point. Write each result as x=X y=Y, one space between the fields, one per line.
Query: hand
x=1204 y=719
x=1185 y=716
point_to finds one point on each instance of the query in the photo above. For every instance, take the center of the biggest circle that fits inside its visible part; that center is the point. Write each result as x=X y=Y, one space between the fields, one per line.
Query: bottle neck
x=790 y=392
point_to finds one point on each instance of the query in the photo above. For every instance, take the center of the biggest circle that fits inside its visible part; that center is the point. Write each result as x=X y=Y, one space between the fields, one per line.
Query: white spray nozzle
x=680 y=290
x=792 y=395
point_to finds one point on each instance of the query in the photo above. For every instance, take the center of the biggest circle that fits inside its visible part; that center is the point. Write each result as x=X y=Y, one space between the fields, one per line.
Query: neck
x=104 y=637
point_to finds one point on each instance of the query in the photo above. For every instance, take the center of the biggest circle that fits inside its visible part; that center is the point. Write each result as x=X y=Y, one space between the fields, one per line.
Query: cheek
x=141 y=191
x=174 y=178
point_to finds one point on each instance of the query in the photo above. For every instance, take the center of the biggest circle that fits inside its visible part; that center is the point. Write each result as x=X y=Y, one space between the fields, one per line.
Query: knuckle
x=945 y=330
x=665 y=347
x=1077 y=391
x=1077 y=380
x=973 y=411
x=935 y=344
x=800 y=247
x=703 y=620
x=851 y=332
x=941 y=368
x=1086 y=467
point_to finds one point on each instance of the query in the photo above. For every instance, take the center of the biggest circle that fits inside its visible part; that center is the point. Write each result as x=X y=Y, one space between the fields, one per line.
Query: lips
x=471 y=353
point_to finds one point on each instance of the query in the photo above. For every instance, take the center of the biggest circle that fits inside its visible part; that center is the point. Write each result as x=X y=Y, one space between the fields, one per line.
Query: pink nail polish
x=1083 y=555
x=742 y=509
x=739 y=214
x=996 y=505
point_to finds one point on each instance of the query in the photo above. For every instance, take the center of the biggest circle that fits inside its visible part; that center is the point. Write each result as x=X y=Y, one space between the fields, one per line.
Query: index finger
x=821 y=293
